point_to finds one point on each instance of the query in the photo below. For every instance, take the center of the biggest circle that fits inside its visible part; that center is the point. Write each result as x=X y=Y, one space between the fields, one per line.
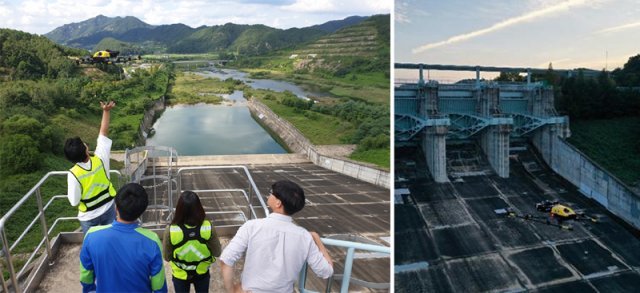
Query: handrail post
x=302 y=278
x=43 y=223
x=178 y=187
x=12 y=273
x=348 y=264
x=4 y=284
x=250 y=193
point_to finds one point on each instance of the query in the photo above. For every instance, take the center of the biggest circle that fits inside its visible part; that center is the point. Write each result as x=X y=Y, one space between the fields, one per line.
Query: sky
x=43 y=16
x=593 y=34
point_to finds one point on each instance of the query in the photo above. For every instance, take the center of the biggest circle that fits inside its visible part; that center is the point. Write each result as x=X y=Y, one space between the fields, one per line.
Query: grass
x=318 y=128
x=371 y=87
x=380 y=157
x=191 y=88
x=614 y=144
x=87 y=127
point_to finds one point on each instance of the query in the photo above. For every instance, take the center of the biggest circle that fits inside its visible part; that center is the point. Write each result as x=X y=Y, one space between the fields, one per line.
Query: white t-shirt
x=276 y=251
x=103 y=150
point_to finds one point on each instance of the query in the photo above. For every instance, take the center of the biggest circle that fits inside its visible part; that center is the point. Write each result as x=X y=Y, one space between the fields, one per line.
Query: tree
x=18 y=154
x=510 y=77
x=629 y=75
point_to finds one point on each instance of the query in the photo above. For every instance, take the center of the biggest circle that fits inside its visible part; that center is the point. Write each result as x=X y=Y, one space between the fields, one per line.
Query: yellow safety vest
x=190 y=255
x=95 y=187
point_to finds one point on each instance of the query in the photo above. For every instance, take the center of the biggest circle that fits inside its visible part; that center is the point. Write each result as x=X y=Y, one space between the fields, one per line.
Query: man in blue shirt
x=123 y=257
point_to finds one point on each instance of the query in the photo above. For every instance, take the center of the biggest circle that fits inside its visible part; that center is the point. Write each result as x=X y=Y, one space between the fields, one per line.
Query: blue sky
x=42 y=16
x=524 y=33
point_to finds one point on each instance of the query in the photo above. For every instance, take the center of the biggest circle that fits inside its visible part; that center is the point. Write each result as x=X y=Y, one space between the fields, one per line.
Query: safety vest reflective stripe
x=97 y=199
x=186 y=267
x=190 y=255
x=192 y=249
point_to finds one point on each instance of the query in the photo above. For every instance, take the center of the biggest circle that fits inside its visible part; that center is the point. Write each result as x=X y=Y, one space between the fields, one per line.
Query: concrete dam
x=468 y=149
x=347 y=202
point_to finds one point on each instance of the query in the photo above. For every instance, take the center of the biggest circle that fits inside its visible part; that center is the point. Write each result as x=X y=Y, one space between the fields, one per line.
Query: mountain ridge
x=181 y=38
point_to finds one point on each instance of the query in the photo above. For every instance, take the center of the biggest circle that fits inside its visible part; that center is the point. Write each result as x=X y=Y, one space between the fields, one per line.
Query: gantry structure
x=430 y=113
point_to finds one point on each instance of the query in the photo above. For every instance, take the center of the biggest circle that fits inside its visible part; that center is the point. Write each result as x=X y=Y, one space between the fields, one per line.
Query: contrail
x=503 y=24
x=619 y=28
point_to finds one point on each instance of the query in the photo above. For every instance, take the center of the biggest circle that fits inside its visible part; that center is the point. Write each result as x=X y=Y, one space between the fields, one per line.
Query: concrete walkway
x=253 y=159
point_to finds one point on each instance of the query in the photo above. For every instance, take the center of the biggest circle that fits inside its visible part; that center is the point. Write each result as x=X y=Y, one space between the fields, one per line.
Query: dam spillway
x=467 y=149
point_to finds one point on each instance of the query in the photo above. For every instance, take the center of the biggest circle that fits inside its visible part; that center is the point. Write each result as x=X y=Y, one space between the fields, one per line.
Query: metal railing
x=216 y=213
x=348 y=262
x=253 y=189
x=138 y=159
x=7 y=248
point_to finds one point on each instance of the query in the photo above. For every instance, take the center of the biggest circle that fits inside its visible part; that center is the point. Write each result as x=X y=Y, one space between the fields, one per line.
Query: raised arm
x=106 y=110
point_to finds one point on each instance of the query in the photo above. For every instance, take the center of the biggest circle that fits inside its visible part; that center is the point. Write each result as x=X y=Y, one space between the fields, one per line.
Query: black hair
x=189 y=210
x=290 y=194
x=75 y=150
x=131 y=201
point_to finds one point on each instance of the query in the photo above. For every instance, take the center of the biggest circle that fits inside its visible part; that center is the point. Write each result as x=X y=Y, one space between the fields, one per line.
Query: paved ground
x=448 y=239
x=336 y=205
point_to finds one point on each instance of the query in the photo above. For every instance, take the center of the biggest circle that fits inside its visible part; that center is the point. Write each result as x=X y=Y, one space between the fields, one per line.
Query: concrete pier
x=495 y=144
x=434 y=145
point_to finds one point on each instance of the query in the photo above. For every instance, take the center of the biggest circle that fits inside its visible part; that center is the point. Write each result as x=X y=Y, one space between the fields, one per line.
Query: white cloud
x=619 y=28
x=530 y=16
x=42 y=16
x=402 y=12
x=256 y=12
x=340 y=6
x=311 y=6
x=5 y=11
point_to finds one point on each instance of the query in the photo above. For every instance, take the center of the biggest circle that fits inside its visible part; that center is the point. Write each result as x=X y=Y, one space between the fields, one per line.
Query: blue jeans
x=105 y=219
x=200 y=284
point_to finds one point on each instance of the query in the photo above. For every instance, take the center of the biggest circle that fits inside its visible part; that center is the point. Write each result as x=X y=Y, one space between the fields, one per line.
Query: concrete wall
x=592 y=180
x=147 y=120
x=300 y=144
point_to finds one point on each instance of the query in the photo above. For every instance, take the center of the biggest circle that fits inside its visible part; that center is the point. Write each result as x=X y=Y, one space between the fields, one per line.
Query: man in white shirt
x=89 y=186
x=276 y=247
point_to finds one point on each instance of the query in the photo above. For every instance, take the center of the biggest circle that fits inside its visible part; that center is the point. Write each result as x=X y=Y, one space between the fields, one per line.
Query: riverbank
x=324 y=120
x=300 y=144
x=372 y=87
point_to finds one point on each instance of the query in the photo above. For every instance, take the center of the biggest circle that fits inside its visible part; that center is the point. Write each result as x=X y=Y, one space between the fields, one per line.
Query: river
x=274 y=85
x=227 y=129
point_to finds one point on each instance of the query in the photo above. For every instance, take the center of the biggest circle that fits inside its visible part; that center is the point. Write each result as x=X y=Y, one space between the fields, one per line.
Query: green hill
x=366 y=39
x=99 y=24
x=27 y=56
x=360 y=48
x=116 y=45
x=180 y=38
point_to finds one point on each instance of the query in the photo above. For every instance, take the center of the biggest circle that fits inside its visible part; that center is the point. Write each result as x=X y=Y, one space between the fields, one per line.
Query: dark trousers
x=200 y=283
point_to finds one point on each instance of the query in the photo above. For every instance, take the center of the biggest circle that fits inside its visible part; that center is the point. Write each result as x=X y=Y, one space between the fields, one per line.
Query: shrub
x=18 y=154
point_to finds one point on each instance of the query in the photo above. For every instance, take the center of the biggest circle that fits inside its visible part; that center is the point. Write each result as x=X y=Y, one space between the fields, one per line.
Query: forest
x=604 y=115
x=46 y=97
x=610 y=95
